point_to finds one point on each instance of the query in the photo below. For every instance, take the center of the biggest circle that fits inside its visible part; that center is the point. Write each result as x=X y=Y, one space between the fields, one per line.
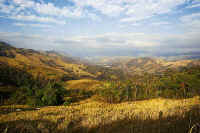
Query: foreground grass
x=148 y=116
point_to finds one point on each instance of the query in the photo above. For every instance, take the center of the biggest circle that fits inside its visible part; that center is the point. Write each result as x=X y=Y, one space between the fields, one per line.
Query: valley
x=99 y=66
x=45 y=91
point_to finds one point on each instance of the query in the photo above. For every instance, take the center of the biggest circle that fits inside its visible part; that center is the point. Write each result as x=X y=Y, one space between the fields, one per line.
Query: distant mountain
x=154 y=65
x=51 y=64
x=131 y=65
x=54 y=65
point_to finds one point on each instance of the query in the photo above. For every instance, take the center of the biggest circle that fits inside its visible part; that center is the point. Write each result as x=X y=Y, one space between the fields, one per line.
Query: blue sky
x=103 y=27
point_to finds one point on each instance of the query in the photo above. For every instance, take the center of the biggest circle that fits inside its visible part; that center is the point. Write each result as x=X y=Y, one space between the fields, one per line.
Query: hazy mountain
x=55 y=64
x=131 y=65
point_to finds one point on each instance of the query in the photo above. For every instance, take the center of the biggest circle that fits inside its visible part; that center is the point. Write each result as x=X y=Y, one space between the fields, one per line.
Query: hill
x=133 y=66
x=153 y=65
x=26 y=68
x=116 y=95
x=54 y=65
x=50 y=64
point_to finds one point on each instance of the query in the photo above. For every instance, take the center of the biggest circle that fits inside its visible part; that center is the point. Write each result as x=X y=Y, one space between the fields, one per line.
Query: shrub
x=114 y=92
x=68 y=101
x=51 y=94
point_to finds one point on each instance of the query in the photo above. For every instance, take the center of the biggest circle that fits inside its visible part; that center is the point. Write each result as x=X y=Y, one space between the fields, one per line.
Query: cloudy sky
x=103 y=27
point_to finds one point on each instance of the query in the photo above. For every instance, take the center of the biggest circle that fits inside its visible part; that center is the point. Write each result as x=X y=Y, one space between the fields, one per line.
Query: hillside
x=50 y=64
x=54 y=65
x=45 y=91
x=141 y=65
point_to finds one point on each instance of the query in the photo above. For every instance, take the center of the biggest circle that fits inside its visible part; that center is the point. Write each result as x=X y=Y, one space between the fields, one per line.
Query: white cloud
x=34 y=18
x=24 y=3
x=6 y=9
x=32 y=41
x=94 y=17
x=143 y=9
x=33 y=25
x=110 y=43
x=118 y=39
x=191 y=22
x=51 y=9
x=108 y=8
x=190 y=17
x=128 y=10
x=17 y=7
x=134 y=19
x=193 y=6
x=31 y=13
x=138 y=9
x=160 y=23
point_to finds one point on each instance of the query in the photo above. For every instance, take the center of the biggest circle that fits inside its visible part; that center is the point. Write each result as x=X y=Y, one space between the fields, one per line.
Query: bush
x=51 y=94
x=114 y=92
x=68 y=101
x=176 y=84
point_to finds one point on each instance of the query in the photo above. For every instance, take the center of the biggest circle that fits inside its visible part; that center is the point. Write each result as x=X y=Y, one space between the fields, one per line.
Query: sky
x=88 y=28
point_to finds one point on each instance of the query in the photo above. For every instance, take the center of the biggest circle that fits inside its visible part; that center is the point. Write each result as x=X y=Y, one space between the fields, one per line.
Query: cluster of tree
x=13 y=76
x=121 y=91
x=171 y=84
x=51 y=94
x=37 y=91
x=40 y=91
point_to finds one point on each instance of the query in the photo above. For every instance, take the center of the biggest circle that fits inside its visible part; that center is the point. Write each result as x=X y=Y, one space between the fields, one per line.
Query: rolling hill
x=134 y=66
x=110 y=95
x=49 y=64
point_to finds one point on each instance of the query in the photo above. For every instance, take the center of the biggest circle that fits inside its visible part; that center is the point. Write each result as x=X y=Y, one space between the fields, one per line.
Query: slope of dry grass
x=91 y=116
x=87 y=84
x=52 y=66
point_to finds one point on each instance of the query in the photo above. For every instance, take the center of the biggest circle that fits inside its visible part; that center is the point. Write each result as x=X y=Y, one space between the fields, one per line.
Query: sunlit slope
x=151 y=65
x=131 y=66
x=85 y=84
x=49 y=64
x=90 y=116
x=148 y=65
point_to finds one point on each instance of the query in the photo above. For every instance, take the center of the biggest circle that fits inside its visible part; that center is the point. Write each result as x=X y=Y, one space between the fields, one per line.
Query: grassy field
x=147 y=116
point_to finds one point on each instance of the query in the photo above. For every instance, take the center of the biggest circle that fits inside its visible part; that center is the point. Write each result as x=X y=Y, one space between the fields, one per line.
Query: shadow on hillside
x=7 y=110
x=173 y=124
x=28 y=126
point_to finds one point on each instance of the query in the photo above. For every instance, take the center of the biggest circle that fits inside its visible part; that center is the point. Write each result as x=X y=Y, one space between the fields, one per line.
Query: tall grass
x=148 y=116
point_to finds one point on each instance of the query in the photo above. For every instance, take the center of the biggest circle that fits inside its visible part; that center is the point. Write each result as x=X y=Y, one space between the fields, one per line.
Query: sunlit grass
x=87 y=84
x=90 y=114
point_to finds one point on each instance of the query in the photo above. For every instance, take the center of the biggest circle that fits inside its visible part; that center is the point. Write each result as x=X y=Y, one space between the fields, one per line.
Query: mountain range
x=53 y=64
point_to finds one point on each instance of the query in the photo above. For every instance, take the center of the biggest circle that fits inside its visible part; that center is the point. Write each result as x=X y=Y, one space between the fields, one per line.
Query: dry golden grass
x=86 y=84
x=90 y=114
x=36 y=65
